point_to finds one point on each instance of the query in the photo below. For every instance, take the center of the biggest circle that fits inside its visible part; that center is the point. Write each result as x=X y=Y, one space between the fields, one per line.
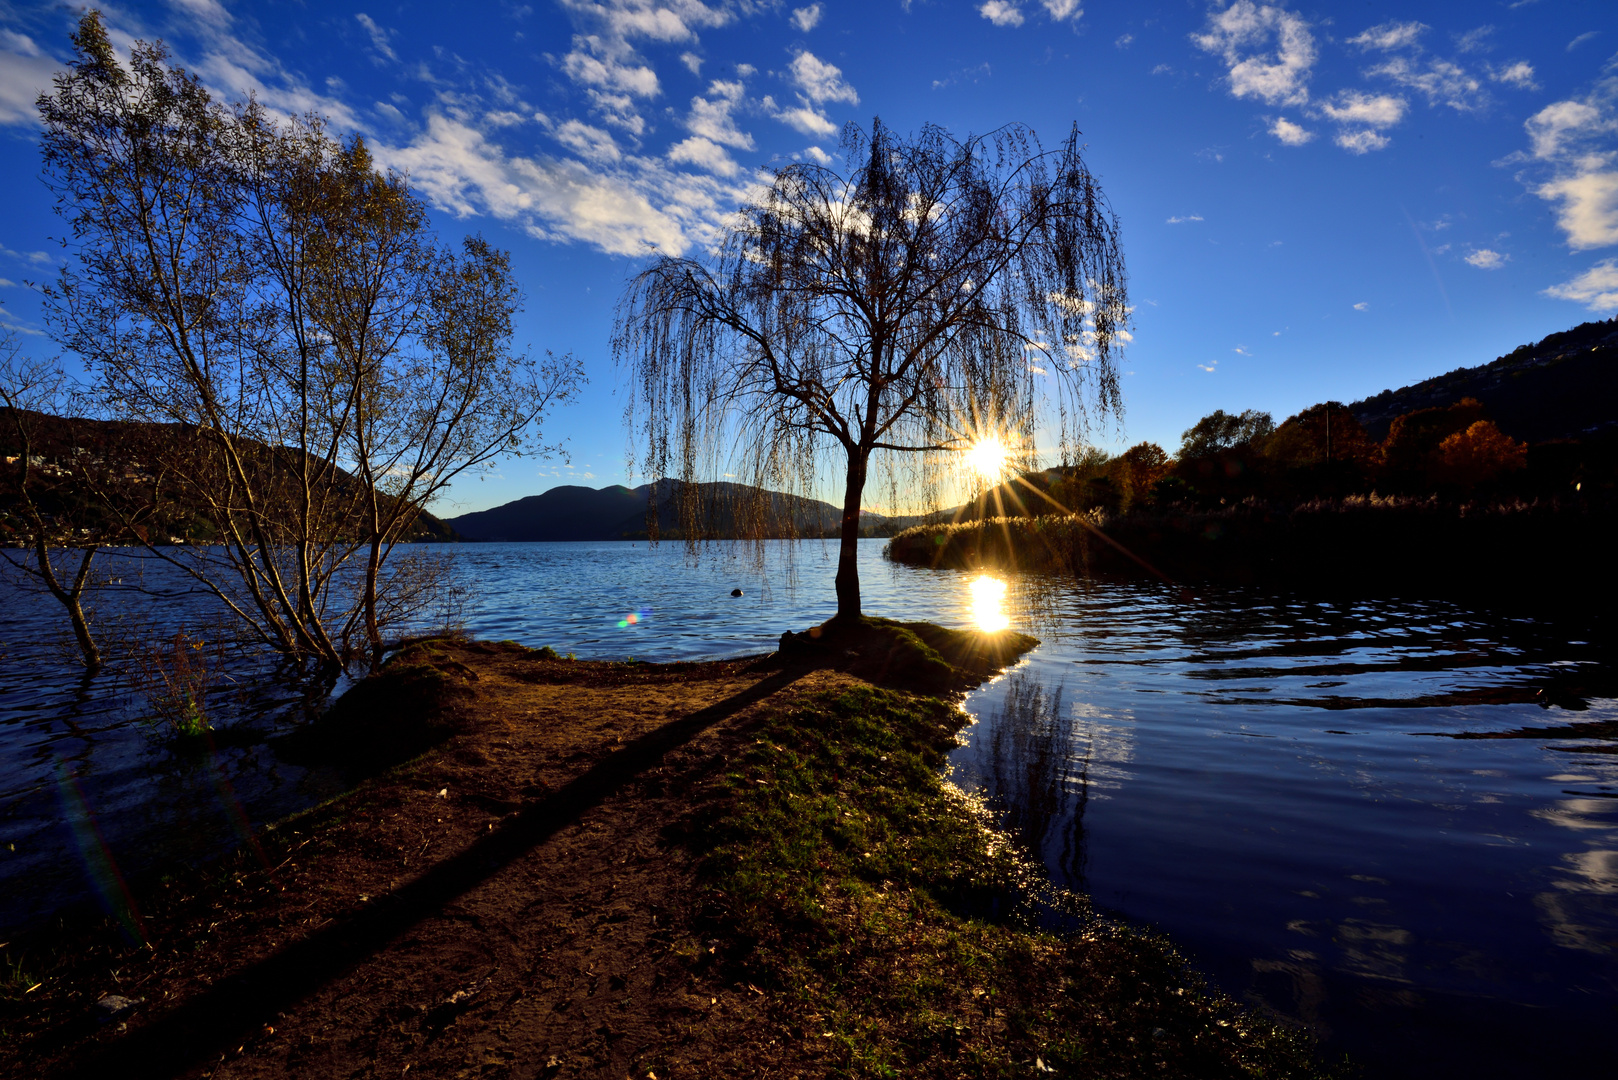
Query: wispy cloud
x=1001 y=13
x=1487 y=259
x=1289 y=133
x=1268 y=51
x=1362 y=306
x=817 y=83
x=1596 y=288
x=1519 y=73
x=1588 y=35
x=1362 y=118
x=1007 y=13
x=1389 y=36
x=1183 y=220
x=805 y=19
x=381 y=40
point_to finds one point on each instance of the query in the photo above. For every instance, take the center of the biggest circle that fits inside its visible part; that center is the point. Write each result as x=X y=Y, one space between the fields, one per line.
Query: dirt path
x=513 y=905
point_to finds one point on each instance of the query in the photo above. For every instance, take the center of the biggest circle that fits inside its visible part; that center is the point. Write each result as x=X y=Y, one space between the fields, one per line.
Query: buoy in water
x=735 y=592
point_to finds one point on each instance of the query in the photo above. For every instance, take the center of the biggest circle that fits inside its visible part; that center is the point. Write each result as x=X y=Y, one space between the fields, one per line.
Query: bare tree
x=942 y=293
x=31 y=390
x=322 y=365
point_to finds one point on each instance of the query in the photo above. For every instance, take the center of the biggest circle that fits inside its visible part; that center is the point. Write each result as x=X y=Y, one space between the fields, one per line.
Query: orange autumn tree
x=1479 y=454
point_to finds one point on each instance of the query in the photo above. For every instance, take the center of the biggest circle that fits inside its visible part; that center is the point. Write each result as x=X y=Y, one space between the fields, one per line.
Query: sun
x=987 y=457
x=988 y=604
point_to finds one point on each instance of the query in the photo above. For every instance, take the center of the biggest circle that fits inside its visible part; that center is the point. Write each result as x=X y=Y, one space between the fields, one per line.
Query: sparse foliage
x=326 y=367
x=57 y=558
x=942 y=291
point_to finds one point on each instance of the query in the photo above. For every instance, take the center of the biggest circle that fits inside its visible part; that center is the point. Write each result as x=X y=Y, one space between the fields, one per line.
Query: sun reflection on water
x=988 y=604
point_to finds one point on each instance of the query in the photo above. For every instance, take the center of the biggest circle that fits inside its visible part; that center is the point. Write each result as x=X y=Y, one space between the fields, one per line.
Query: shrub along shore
x=1550 y=553
x=749 y=868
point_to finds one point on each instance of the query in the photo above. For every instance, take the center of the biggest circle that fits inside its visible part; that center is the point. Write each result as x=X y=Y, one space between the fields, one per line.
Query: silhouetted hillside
x=719 y=510
x=1564 y=387
x=569 y=512
x=82 y=465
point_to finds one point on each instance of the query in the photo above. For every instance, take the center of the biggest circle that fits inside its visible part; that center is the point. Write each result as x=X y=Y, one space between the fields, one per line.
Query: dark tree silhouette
x=942 y=292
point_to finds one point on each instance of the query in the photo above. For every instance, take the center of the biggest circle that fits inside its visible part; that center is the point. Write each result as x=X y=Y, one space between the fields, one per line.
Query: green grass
x=873 y=900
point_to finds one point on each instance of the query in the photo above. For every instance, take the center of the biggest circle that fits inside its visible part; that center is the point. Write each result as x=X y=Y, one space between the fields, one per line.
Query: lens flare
x=99 y=865
x=987 y=457
x=634 y=618
x=988 y=604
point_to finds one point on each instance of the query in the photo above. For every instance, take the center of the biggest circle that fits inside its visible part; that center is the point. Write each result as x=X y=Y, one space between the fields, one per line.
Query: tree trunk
x=848 y=571
x=70 y=596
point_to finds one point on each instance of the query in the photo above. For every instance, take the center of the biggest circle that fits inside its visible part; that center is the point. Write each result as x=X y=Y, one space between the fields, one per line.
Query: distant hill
x=1564 y=387
x=570 y=512
x=75 y=457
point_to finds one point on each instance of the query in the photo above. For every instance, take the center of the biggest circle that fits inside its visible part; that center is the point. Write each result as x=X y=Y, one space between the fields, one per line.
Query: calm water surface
x=1267 y=779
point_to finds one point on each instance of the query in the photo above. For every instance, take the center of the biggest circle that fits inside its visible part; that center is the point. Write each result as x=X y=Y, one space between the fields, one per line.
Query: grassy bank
x=866 y=895
x=1531 y=549
x=599 y=870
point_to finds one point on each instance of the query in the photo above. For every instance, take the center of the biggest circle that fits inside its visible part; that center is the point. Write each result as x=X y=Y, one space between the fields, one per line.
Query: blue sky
x=1318 y=202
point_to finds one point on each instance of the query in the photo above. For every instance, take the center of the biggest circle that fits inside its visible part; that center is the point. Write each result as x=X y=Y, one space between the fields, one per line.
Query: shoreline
x=579 y=869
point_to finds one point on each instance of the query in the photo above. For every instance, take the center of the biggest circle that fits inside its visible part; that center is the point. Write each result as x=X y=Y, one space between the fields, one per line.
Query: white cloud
x=711 y=118
x=1519 y=74
x=1486 y=259
x=1289 y=133
x=380 y=38
x=692 y=62
x=1064 y=10
x=809 y=120
x=818 y=82
x=1474 y=40
x=821 y=82
x=1588 y=205
x=1362 y=306
x=1241 y=350
x=817 y=155
x=1576 y=142
x=1183 y=220
x=1001 y=13
x=1368 y=110
x=1441 y=81
x=1362 y=142
x=605 y=62
x=806 y=18
x=1596 y=288
x=1242 y=35
x=33 y=258
x=1588 y=35
x=20 y=44
x=1361 y=118
x=590 y=143
x=1389 y=36
x=25 y=73
x=209 y=11
x=1210 y=366
x=620 y=207
x=704 y=154
x=1124 y=41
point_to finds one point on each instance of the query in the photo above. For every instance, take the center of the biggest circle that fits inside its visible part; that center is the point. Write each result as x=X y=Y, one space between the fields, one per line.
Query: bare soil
x=512 y=904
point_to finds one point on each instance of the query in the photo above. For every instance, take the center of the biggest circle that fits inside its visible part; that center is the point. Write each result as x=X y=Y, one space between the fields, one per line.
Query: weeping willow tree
x=944 y=294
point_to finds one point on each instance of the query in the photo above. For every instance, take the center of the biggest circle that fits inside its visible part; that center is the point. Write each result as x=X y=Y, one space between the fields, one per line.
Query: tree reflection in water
x=1040 y=776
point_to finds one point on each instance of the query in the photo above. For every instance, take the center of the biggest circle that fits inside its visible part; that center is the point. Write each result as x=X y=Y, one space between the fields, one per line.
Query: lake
x=1267 y=778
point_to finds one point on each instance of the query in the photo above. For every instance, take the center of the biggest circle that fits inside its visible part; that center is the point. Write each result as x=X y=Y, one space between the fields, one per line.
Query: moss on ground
x=857 y=886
